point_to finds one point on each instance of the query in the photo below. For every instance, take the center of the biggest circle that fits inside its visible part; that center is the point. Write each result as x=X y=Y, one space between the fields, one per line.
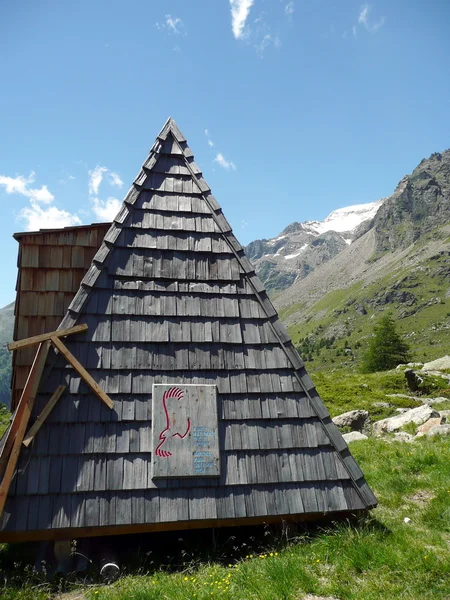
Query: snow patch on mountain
x=345 y=219
x=299 y=251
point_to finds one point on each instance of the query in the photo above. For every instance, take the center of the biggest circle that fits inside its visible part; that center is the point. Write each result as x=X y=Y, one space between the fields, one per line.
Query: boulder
x=410 y=365
x=402 y=436
x=438 y=430
x=438 y=400
x=437 y=365
x=413 y=380
x=354 y=436
x=429 y=424
x=445 y=414
x=418 y=415
x=360 y=309
x=355 y=419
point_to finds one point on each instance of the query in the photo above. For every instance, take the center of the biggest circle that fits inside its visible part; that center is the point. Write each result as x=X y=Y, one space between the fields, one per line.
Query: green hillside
x=6 y=333
x=334 y=331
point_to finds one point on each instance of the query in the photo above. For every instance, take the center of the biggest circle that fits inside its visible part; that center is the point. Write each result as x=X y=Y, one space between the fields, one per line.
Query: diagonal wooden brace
x=44 y=414
x=81 y=371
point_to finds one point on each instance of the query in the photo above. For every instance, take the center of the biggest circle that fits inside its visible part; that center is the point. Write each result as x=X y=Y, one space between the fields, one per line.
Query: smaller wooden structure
x=180 y=401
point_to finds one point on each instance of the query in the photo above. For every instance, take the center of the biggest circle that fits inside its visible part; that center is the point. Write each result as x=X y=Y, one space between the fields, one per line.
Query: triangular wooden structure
x=239 y=433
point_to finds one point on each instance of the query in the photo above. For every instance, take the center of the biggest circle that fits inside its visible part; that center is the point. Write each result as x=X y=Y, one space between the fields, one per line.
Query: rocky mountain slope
x=302 y=247
x=400 y=262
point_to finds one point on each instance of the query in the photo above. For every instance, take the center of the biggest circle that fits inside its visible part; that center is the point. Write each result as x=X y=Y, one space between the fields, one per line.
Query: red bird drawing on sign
x=170 y=429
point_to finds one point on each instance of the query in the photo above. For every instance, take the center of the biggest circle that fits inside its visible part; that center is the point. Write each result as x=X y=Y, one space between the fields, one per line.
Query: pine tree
x=386 y=349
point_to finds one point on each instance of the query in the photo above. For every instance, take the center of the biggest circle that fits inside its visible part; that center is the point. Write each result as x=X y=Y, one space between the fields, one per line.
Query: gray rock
x=437 y=365
x=445 y=414
x=411 y=365
x=354 y=436
x=381 y=404
x=438 y=400
x=402 y=436
x=438 y=430
x=429 y=424
x=413 y=380
x=415 y=398
x=355 y=419
x=418 y=415
x=360 y=310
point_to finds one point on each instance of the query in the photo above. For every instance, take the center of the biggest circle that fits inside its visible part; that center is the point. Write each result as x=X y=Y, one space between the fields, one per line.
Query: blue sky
x=309 y=105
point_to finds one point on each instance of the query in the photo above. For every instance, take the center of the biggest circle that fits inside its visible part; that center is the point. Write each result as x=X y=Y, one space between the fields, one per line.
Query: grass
x=379 y=558
x=382 y=557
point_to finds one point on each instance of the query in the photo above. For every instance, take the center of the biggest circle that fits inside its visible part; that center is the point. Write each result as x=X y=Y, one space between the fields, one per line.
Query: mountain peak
x=302 y=246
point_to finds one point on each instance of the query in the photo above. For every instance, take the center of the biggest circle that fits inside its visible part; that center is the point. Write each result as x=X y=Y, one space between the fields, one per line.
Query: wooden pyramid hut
x=170 y=396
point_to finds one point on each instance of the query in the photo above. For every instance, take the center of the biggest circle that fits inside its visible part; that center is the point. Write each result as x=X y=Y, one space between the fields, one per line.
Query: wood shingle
x=169 y=298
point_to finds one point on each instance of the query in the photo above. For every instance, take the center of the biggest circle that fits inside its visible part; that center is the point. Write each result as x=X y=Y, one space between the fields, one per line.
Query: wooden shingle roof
x=171 y=298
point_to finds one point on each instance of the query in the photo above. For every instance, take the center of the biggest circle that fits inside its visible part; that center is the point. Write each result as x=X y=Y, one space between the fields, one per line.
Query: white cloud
x=174 y=24
x=66 y=178
x=20 y=185
x=210 y=142
x=34 y=215
x=223 y=162
x=114 y=179
x=95 y=179
x=363 y=19
x=289 y=8
x=267 y=40
x=106 y=210
x=49 y=218
x=263 y=44
x=240 y=10
x=363 y=14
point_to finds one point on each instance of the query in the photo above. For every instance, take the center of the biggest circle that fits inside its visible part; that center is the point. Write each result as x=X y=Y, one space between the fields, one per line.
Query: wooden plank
x=82 y=371
x=185 y=431
x=37 y=339
x=44 y=414
x=23 y=416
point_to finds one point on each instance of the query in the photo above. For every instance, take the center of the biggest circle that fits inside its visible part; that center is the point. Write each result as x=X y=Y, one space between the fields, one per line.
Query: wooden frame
x=21 y=418
x=81 y=371
x=81 y=532
x=37 y=339
x=44 y=414
x=9 y=454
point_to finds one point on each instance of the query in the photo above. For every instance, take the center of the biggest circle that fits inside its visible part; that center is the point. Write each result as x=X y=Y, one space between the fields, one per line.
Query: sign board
x=185 y=431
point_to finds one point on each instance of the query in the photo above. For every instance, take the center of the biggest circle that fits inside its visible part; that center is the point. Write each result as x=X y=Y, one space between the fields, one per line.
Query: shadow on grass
x=170 y=551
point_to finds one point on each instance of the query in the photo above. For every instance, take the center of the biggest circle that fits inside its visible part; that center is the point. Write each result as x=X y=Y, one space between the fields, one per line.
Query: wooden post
x=44 y=414
x=21 y=419
x=81 y=371
x=17 y=417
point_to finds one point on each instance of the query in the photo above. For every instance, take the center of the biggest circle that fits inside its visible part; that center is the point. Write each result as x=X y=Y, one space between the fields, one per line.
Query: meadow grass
x=379 y=558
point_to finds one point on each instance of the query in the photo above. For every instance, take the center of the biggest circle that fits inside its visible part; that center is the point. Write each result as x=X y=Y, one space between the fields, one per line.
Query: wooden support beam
x=81 y=371
x=21 y=418
x=44 y=414
x=39 y=361
x=37 y=339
